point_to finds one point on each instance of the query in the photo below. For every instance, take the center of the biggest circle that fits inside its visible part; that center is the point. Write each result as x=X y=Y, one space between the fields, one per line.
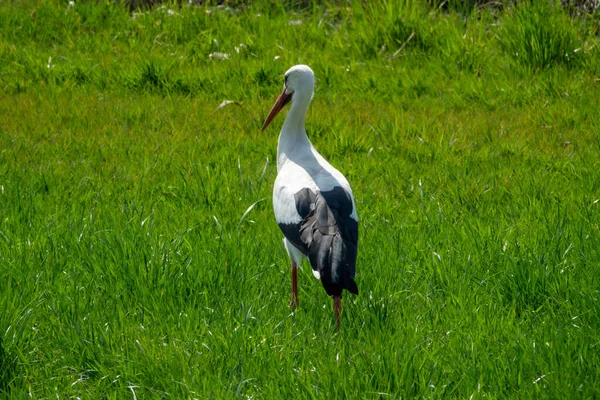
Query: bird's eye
x=285 y=80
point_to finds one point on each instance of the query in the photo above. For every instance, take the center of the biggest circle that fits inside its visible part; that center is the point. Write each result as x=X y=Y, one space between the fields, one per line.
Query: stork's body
x=312 y=200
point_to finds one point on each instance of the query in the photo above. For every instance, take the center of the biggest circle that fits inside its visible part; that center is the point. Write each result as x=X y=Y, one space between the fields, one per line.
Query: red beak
x=281 y=101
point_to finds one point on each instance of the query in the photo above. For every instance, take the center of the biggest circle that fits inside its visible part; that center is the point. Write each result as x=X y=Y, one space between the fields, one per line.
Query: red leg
x=294 y=302
x=337 y=309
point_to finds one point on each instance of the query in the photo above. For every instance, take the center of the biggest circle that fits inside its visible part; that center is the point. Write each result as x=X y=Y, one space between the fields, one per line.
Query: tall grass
x=138 y=252
x=540 y=34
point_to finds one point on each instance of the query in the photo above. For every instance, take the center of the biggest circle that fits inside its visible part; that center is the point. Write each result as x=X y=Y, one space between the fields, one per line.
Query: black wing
x=328 y=236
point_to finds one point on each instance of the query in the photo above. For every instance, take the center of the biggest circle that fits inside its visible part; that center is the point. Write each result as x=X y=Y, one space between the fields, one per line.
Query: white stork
x=312 y=200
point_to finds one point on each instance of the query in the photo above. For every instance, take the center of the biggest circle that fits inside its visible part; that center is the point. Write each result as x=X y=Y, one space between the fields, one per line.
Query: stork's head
x=298 y=86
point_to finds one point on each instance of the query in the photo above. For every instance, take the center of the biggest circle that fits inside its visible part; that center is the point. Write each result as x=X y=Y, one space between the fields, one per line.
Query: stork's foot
x=337 y=309
x=294 y=302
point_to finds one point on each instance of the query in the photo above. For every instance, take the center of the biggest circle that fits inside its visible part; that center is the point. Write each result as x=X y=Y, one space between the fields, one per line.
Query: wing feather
x=330 y=236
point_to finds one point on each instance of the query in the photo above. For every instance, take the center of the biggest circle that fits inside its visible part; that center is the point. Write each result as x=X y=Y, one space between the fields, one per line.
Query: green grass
x=132 y=263
x=540 y=36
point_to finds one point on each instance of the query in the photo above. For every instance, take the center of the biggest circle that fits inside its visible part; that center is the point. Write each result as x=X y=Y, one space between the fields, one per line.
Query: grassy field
x=139 y=256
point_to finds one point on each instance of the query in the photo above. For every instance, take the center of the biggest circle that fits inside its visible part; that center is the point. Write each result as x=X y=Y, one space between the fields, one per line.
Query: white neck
x=292 y=137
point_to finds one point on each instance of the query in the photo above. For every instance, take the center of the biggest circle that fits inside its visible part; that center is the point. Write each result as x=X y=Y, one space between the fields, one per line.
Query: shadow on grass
x=7 y=370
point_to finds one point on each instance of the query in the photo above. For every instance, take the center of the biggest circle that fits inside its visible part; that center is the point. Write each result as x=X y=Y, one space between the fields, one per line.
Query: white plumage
x=311 y=173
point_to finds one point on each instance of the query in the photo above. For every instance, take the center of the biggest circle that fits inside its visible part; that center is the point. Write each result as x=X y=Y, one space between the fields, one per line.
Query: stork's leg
x=294 y=302
x=337 y=309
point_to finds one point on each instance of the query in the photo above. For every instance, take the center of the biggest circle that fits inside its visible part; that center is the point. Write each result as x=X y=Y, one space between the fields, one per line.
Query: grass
x=139 y=257
x=540 y=36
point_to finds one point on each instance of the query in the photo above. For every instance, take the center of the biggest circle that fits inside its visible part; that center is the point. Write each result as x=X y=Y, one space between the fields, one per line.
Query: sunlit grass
x=138 y=250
